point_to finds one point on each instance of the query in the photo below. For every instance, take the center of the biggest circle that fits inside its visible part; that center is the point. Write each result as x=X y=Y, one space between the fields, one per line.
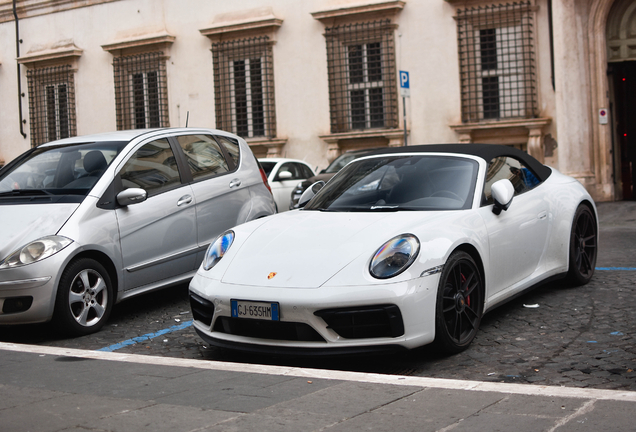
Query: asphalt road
x=553 y=335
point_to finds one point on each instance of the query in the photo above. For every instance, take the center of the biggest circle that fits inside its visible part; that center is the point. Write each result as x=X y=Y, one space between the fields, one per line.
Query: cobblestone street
x=553 y=335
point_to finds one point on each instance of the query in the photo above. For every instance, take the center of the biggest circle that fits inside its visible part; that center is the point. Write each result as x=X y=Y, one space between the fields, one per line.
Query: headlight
x=35 y=251
x=217 y=249
x=394 y=256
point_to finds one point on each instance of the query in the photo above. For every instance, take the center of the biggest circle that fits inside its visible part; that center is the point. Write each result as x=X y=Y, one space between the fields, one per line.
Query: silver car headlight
x=35 y=251
x=217 y=249
x=394 y=256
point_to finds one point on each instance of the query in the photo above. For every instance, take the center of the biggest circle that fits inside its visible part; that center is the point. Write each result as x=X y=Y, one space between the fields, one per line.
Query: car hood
x=21 y=224
x=307 y=248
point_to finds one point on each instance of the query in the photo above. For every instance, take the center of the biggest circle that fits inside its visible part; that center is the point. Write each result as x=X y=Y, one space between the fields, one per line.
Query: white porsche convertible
x=402 y=248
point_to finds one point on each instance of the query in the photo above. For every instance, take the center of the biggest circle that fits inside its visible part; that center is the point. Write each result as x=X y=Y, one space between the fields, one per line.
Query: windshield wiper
x=25 y=192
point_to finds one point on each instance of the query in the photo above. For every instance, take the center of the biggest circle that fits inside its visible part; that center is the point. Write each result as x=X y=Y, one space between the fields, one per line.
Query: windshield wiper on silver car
x=25 y=192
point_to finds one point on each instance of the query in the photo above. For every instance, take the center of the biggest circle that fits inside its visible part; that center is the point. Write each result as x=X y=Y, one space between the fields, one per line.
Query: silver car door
x=158 y=236
x=221 y=196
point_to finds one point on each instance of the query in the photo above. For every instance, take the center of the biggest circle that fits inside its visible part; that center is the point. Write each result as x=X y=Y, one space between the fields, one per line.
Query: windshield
x=60 y=170
x=392 y=183
x=341 y=161
x=267 y=167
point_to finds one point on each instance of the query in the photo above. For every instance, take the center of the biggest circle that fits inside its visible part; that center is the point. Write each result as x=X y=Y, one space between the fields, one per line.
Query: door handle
x=186 y=199
x=543 y=215
x=235 y=183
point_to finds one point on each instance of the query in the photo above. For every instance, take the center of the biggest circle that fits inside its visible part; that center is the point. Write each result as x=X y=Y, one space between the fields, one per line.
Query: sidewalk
x=60 y=389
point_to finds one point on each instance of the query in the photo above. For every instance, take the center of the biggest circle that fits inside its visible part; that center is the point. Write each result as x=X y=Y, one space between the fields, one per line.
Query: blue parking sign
x=405 y=84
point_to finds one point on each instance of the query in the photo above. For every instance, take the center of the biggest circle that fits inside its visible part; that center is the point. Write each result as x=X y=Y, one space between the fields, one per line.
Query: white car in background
x=283 y=175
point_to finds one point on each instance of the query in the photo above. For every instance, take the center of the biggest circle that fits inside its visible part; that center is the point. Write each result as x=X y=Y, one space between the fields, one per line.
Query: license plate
x=255 y=310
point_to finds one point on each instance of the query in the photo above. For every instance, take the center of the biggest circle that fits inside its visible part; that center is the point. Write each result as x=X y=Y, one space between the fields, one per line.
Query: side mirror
x=284 y=175
x=131 y=196
x=309 y=193
x=502 y=193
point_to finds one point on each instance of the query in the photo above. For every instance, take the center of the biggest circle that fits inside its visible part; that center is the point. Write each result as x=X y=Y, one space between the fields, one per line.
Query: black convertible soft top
x=485 y=151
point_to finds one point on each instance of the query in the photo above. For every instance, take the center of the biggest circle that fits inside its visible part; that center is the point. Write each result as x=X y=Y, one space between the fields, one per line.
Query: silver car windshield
x=393 y=183
x=60 y=170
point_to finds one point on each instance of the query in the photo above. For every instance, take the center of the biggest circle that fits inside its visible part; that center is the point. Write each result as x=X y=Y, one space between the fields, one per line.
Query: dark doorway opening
x=624 y=83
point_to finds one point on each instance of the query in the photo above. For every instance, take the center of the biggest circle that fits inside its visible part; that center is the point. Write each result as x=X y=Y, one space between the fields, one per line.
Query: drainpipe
x=17 y=50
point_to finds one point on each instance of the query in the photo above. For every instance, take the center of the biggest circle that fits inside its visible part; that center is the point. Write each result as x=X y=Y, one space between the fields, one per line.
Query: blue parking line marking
x=617 y=268
x=146 y=337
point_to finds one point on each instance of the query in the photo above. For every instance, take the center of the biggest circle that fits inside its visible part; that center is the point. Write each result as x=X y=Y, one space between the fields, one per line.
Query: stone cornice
x=264 y=26
x=70 y=52
x=365 y=134
x=140 y=41
x=260 y=21
x=32 y=8
x=359 y=11
x=533 y=123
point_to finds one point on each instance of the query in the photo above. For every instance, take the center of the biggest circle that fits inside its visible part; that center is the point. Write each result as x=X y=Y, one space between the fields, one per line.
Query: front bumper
x=27 y=293
x=306 y=316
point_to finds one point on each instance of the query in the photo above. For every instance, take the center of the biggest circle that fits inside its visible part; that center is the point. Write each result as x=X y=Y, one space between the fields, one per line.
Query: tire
x=583 y=247
x=80 y=310
x=460 y=304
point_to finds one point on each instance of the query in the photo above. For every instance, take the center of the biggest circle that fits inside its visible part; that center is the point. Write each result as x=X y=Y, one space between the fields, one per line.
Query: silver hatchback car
x=89 y=221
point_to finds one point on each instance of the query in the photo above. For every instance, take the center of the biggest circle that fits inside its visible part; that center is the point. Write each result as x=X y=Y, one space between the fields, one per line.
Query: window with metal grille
x=244 y=87
x=361 y=68
x=496 y=56
x=51 y=103
x=141 y=91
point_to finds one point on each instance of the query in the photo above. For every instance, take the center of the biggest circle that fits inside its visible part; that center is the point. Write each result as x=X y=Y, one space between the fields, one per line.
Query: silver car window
x=232 y=147
x=61 y=169
x=153 y=167
x=203 y=154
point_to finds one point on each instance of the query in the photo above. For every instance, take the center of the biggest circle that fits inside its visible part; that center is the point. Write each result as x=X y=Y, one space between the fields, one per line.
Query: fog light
x=17 y=304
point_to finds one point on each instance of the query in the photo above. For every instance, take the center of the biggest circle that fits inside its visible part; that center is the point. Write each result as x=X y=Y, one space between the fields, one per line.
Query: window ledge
x=341 y=142
x=146 y=41
x=390 y=134
x=66 y=53
x=363 y=10
x=274 y=146
x=517 y=131
x=238 y=25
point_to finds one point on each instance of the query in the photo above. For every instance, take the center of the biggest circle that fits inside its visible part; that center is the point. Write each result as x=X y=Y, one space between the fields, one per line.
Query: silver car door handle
x=235 y=183
x=543 y=215
x=186 y=199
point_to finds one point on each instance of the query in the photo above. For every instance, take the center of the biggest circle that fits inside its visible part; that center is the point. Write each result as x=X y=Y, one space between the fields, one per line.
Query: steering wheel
x=448 y=194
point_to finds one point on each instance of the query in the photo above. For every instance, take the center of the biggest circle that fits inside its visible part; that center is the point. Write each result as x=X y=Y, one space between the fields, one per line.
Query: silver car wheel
x=88 y=298
x=85 y=297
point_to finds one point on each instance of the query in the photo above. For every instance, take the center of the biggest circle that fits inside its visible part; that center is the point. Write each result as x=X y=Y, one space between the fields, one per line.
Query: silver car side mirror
x=309 y=193
x=131 y=196
x=502 y=193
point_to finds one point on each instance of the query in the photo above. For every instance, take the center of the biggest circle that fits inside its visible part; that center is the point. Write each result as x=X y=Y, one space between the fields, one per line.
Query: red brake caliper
x=463 y=279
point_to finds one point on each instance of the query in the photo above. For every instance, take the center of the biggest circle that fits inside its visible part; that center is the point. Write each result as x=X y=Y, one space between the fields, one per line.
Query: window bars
x=361 y=68
x=496 y=59
x=51 y=104
x=141 y=91
x=244 y=87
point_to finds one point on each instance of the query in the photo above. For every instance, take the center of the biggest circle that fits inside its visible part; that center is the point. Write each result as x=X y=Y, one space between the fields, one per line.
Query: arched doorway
x=621 y=38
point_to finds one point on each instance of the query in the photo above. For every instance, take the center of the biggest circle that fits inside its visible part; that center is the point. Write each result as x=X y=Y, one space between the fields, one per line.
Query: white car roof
x=277 y=160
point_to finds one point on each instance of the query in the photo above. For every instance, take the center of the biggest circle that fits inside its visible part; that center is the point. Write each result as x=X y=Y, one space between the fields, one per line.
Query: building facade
x=312 y=79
